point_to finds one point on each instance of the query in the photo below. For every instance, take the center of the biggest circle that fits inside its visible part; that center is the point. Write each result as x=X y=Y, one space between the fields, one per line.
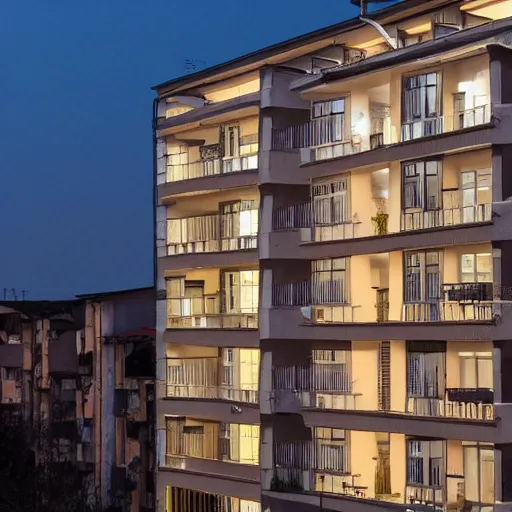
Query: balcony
x=208 y=378
x=213 y=167
x=213 y=233
x=206 y=313
x=390 y=203
x=376 y=110
x=345 y=380
x=385 y=468
x=197 y=159
x=466 y=404
x=188 y=441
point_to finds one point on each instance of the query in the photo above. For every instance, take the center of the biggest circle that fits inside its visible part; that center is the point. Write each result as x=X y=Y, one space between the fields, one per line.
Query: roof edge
x=288 y=45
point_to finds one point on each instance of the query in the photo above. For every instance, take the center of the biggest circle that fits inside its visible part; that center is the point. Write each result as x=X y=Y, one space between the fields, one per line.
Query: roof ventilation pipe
x=362 y=16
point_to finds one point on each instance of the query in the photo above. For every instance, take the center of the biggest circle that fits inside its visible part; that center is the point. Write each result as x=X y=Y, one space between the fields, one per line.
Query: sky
x=75 y=131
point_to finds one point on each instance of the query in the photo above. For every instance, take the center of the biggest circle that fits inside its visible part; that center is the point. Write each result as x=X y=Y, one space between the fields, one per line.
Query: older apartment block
x=334 y=284
x=79 y=375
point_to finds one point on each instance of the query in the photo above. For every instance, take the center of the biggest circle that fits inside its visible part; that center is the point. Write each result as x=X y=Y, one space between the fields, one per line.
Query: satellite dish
x=307 y=312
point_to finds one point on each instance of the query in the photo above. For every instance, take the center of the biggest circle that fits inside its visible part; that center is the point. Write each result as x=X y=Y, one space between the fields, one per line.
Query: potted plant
x=380 y=220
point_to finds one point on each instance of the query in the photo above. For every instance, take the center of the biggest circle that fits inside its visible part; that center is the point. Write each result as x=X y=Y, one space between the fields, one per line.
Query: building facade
x=334 y=305
x=79 y=374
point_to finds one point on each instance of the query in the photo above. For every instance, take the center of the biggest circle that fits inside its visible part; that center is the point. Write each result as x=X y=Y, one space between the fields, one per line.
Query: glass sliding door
x=421 y=106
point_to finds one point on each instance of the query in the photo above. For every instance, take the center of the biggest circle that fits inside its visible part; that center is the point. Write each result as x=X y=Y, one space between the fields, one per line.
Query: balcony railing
x=326 y=137
x=322 y=455
x=296 y=216
x=209 y=446
x=323 y=386
x=214 y=167
x=213 y=233
x=206 y=312
x=428 y=127
x=460 y=302
x=469 y=404
x=201 y=378
x=446 y=216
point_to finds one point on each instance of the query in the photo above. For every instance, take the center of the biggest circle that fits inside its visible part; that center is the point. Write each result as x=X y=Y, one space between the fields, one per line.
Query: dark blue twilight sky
x=75 y=124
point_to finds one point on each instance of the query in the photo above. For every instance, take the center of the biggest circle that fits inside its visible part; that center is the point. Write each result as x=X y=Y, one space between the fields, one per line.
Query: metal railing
x=322 y=386
x=296 y=216
x=443 y=217
x=201 y=378
x=206 y=312
x=211 y=445
x=328 y=132
x=453 y=311
x=212 y=392
x=291 y=294
x=443 y=407
x=427 y=127
x=300 y=216
x=213 y=233
x=214 y=167
x=319 y=455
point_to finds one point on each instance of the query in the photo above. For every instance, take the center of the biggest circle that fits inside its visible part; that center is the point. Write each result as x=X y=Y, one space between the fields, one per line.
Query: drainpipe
x=155 y=195
x=362 y=16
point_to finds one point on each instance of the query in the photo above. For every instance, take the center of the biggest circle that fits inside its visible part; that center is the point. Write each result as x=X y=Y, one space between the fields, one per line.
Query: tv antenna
x=363 y=5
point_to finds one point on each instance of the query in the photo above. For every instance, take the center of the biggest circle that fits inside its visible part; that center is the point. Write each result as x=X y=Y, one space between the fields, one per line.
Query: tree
x=37 y=482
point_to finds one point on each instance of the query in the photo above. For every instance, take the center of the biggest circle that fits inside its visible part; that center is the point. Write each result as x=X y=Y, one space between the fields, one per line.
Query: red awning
x=139 y=333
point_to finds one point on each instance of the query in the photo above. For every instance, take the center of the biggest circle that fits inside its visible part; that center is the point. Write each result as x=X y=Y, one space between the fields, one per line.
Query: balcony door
x=240 y=291
x=422 y=284
x=230 y=140
x=425 y=471
x=239 y=225
x=421 y=106
x=476 y=195
x=421 y=193
x=426 y=377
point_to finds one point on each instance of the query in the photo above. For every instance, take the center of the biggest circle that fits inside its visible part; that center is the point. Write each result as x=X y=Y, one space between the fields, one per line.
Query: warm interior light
x=420 y=29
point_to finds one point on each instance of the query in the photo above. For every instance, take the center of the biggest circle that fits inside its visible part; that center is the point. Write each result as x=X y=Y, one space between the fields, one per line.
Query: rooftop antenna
x=363 y=5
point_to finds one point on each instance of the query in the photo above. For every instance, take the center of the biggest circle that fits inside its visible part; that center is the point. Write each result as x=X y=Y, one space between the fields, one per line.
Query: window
x=13 y=374
x=329 y=281
x=425 y=372
x=421 y=106
x=331 y=450
x=331 y=370
x=421 y=182
x=422 y=276
x=425 y=463
x=231 y=141
x=241 y=291
x=239 y=224
x=476 y=268
x=479 y=472
x=476 y=370
x=476 y=195
x=328 y=122
x=177 y=163
x=330 y=203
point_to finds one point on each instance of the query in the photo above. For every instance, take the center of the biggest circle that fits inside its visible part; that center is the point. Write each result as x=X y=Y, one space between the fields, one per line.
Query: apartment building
x=80 y=376
x=333 y=231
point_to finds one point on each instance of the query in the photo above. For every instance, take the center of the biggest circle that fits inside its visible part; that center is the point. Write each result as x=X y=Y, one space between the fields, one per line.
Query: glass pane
x=468 y=372
x=487 y=476
x=485 y=377
x=470 y=474
x=467 y=264
x=484 y=263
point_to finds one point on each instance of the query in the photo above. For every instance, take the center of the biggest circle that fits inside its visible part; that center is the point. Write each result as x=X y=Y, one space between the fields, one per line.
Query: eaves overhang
x=254 y=60
x=483 y=33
